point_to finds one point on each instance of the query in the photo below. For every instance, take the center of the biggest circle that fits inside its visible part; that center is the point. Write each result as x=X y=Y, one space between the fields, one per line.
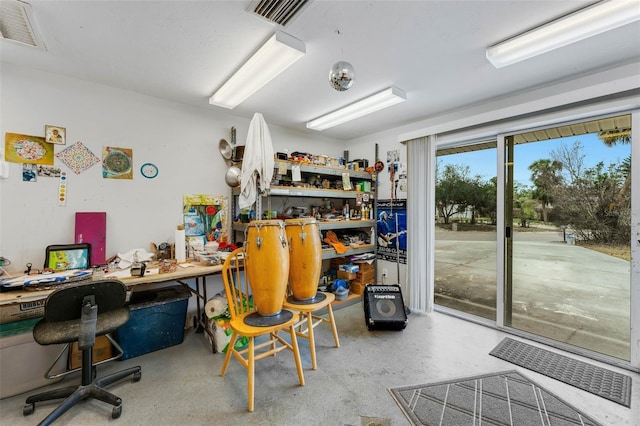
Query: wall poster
x=392 y=230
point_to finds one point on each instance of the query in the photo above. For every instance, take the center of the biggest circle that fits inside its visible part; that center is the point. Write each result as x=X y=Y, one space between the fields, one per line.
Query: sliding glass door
x=560 y=267
x=568 y=232
x=465 y=232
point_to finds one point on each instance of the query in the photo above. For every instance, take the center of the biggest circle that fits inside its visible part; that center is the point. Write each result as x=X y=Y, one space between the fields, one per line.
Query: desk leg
x=201 y=324
x=202 y=320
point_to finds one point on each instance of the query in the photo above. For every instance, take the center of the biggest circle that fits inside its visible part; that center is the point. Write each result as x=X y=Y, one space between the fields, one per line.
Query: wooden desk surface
x=195 y=271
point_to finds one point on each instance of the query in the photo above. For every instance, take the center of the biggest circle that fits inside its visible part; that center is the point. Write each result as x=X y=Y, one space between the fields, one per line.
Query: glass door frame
x=504 y=234
x=502 y=295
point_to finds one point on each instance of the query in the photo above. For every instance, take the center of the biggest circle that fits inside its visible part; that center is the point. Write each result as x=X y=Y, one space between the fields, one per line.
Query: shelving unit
x=307 y=191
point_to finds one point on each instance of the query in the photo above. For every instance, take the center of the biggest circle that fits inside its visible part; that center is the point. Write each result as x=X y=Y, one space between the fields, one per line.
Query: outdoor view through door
x=567 y=233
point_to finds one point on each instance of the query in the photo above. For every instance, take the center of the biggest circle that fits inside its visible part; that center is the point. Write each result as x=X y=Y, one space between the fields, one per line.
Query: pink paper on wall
x=91 y=227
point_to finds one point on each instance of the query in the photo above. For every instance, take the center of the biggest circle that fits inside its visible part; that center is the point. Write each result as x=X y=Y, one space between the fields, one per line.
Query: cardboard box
x=19 y=311
x=366 y=267
x=357 y=288
x=365 y=278
x=346 y=275
x=101 y=351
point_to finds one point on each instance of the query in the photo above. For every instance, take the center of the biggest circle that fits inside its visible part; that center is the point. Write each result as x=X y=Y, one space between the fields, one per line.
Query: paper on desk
x=126 y=273
x=296 y=176
x=126 y=259
x=118 y=273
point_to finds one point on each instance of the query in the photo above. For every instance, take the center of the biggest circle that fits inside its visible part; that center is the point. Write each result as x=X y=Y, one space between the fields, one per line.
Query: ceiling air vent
x=280 y=12
x=17 y=23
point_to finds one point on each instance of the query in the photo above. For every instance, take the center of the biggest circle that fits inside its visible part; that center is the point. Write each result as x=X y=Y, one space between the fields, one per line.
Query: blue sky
x=484 y=162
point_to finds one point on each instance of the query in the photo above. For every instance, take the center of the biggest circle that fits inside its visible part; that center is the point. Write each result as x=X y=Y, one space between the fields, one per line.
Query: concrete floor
x=181 y=385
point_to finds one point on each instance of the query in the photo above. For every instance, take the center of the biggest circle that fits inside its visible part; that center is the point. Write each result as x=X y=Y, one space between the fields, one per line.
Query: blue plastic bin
x=157 y=321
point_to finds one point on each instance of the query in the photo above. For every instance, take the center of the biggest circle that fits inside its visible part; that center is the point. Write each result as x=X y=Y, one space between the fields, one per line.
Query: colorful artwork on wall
x=206 y=216
x=55 y=134
x=117 y=163
x=27 y=149
x=77 y=157
x=29 y=172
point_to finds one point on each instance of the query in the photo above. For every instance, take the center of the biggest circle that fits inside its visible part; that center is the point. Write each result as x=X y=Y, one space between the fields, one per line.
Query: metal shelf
x=346 y=224
x=331 y=253
x=323 y=226
x=325 y=170
x=292 y=191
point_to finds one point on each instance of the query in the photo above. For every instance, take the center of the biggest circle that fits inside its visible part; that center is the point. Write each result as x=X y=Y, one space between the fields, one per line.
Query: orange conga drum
x=267 y=264
x=305 y=257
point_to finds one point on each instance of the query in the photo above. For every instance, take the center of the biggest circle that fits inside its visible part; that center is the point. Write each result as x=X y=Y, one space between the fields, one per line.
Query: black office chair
x=78 y=313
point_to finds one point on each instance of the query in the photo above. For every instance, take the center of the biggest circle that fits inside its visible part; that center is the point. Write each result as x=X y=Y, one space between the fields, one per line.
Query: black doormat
x=599 y=381
x=503 y=398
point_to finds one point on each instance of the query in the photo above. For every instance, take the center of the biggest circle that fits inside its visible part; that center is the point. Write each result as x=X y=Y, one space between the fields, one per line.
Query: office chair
x=79 y=312
x=311 y=318
x=237 y=289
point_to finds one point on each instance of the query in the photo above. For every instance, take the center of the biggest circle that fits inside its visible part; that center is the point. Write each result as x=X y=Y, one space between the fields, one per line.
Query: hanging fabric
x=257 y=161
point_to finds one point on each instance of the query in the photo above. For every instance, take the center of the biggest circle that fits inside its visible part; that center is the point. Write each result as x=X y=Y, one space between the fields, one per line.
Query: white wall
x=181 y=140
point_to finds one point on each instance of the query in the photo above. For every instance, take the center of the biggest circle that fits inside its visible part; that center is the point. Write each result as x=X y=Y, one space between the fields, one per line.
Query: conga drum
x=305 y=257
x=267 y=264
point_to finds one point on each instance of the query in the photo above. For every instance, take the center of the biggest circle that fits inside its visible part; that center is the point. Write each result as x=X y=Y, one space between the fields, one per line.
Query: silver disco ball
x=341 y=76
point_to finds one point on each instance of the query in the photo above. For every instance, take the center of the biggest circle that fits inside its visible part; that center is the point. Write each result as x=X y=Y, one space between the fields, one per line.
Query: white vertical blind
x=421 y=154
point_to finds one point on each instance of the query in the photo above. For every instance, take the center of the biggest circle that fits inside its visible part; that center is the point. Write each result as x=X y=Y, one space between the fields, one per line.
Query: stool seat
x=309 y=315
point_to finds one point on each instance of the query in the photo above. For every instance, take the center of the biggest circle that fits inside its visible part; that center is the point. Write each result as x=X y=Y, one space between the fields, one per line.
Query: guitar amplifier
x=384 y=307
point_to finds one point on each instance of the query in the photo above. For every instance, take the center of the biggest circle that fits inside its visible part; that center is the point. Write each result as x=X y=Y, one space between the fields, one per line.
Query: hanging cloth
x=256 y=161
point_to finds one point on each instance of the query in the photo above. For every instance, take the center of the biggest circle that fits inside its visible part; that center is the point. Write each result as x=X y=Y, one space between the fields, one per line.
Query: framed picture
x=55 y=134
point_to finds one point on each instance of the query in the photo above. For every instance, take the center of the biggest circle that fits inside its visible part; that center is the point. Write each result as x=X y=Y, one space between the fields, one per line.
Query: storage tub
x=157 y=321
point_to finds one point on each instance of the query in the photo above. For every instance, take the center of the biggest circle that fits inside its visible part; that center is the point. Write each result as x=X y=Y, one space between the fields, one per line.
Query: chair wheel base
x=116 y=412
x=28 y=409
x=137 y=376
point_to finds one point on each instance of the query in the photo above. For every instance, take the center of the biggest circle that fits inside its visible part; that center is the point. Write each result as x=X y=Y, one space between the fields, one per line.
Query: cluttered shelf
x=330 y=253
x=283 y=165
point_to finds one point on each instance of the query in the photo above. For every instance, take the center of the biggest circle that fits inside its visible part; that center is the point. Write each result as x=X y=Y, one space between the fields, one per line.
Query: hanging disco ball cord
x=341 y=76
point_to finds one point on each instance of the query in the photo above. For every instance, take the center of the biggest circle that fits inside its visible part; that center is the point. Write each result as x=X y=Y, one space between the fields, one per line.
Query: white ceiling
x=433 y=50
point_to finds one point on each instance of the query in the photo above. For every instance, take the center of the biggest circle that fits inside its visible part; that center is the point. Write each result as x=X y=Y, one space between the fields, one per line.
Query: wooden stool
x=307 y=317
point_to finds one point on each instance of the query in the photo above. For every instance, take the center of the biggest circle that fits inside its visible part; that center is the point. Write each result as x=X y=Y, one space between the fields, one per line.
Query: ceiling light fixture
x=582 y=24
x=375 y=102
x=275 y=56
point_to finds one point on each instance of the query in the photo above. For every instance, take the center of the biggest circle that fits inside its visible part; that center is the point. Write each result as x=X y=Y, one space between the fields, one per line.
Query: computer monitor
x=62 y=257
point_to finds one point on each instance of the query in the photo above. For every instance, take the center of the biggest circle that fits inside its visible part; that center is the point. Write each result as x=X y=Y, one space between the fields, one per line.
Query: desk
x=23 y=304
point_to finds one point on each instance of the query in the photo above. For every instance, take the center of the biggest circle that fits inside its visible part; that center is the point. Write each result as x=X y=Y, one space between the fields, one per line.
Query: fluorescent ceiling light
x=582 y=24
x=275 y=56
x=378 y=101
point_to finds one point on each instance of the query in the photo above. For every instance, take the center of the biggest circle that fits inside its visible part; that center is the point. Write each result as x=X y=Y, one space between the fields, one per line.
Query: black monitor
x=62 y=257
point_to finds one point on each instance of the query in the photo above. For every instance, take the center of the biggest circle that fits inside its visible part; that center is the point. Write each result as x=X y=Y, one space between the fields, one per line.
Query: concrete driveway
x=564 y=292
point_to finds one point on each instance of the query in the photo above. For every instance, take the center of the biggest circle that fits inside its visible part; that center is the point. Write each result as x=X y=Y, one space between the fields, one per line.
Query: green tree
x=623 y=137
x=588 y=198
x=453 y=190
x=545 y=175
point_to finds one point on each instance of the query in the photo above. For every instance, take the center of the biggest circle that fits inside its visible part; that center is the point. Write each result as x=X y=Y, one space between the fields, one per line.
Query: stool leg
x=296 y=354
x=312 y=342
x=334 y=329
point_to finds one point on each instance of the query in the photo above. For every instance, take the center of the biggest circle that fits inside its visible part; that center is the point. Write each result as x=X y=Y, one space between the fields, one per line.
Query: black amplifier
x=384 y=307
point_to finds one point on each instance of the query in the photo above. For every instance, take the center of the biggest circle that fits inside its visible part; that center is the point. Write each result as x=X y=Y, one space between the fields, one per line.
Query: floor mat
x=599 y=381
x=504 y=398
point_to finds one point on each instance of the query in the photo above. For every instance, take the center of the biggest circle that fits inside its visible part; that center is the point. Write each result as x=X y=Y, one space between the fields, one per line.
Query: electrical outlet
x=385 y=273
